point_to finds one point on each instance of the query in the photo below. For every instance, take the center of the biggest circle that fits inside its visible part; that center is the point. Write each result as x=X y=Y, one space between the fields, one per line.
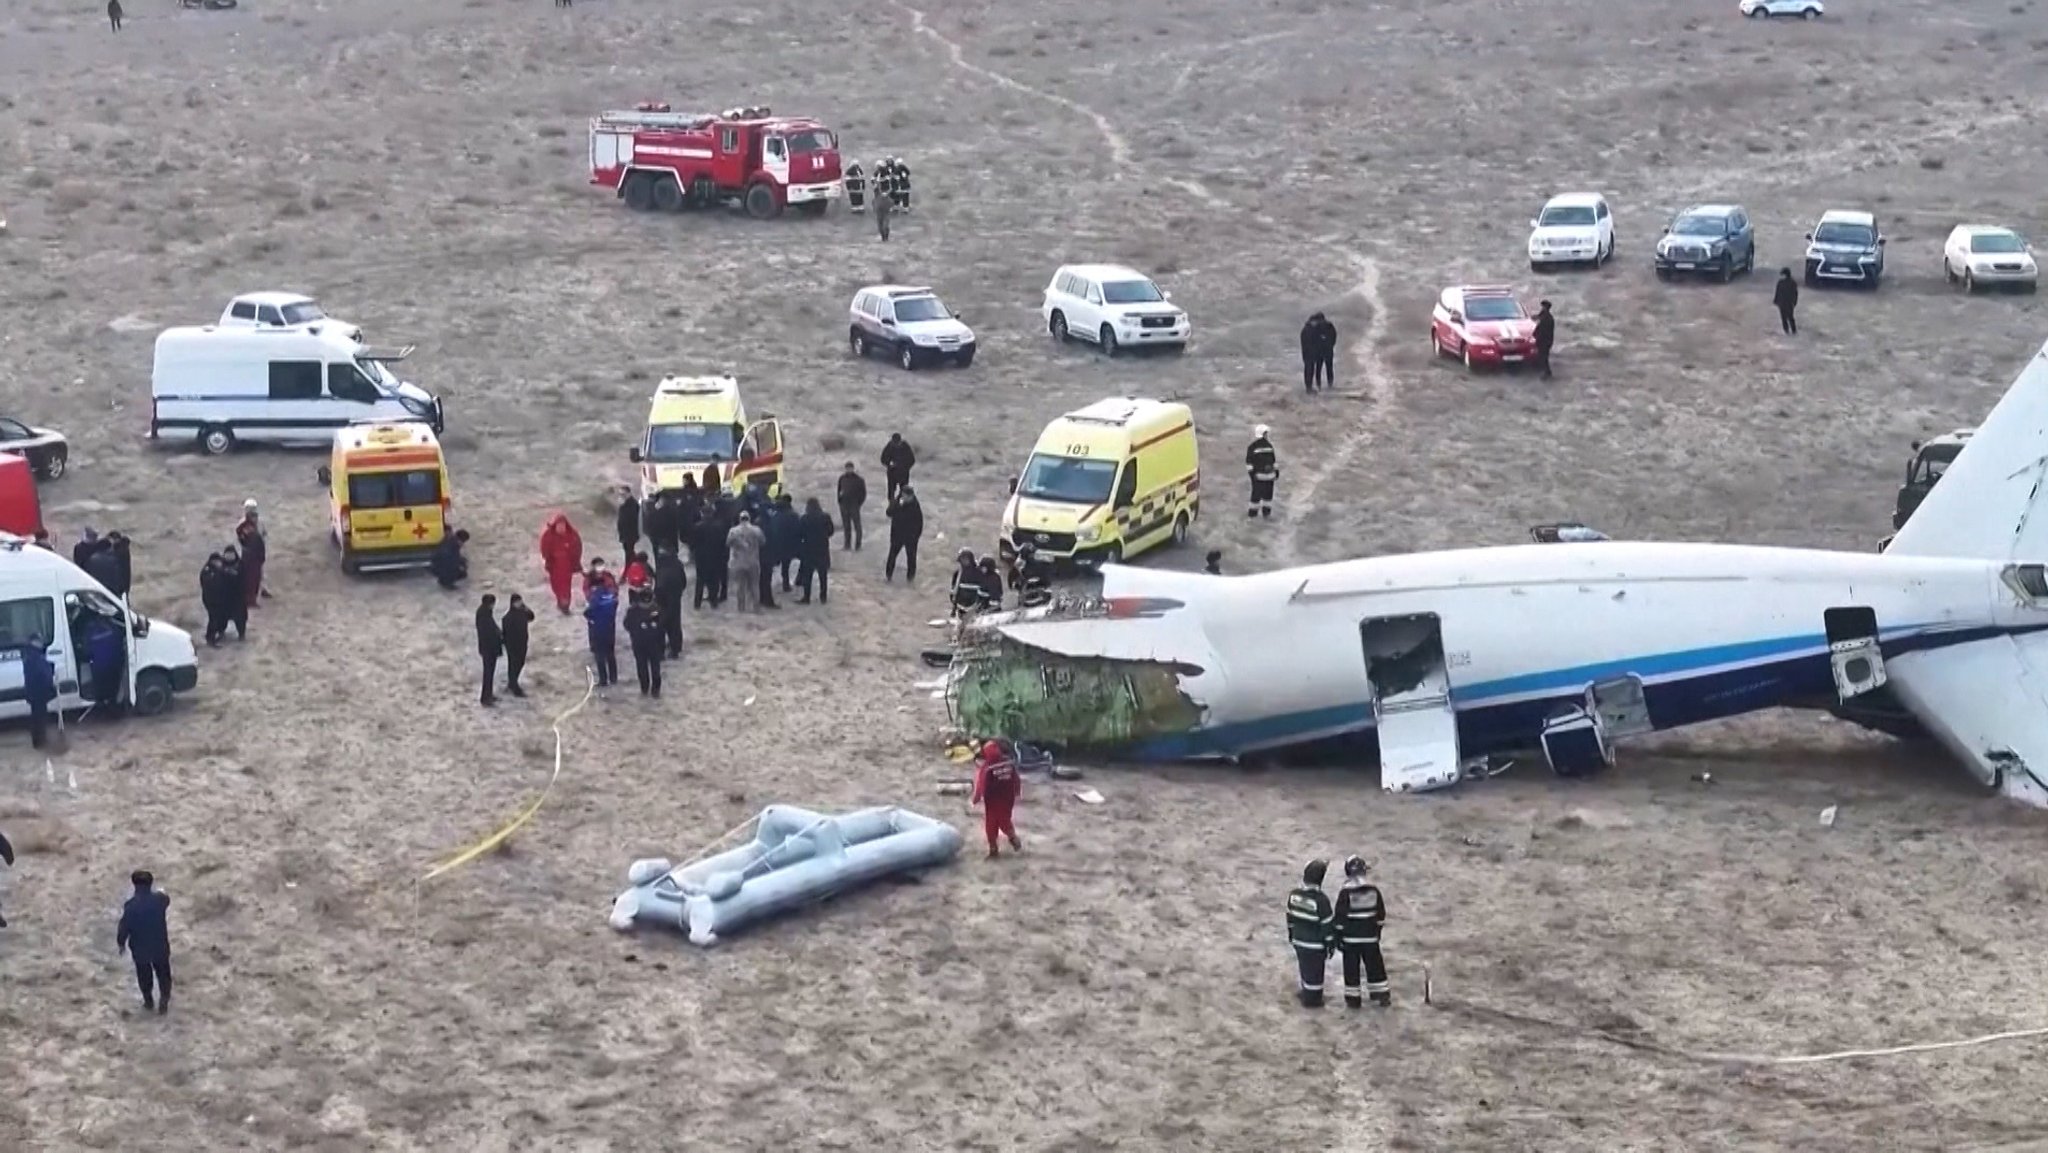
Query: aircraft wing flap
x=1987 y=701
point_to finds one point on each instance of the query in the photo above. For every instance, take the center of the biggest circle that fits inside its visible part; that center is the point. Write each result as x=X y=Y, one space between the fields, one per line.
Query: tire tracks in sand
x=1363 y=1127
x=1380 y=393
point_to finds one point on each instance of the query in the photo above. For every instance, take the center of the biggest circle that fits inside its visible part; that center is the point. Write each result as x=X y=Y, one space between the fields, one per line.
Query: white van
x=43 y=596
x=280 y=385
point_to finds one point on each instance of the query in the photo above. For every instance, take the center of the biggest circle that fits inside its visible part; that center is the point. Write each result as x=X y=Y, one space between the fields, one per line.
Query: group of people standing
x=1318 y=927
x=231 y=580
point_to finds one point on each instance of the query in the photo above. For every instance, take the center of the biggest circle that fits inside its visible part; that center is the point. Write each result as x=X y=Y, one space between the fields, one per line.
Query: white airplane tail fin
x=1992 y=503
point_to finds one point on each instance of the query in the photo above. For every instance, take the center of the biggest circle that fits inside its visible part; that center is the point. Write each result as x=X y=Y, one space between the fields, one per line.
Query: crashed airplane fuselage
x=1561 y=647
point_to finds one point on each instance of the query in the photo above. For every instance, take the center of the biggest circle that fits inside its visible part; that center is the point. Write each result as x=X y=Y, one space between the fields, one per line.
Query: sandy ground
x=420 y=167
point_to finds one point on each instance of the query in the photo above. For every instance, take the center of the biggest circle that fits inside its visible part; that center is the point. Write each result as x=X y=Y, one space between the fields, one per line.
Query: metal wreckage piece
x=1001 y=687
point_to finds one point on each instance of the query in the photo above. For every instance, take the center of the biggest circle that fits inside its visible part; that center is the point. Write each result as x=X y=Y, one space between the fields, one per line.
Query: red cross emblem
x=419 y=531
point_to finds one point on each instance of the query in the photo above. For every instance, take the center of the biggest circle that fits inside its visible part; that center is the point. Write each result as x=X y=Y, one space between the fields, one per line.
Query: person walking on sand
x=853 y=493
x=490 y=645
x=6 y=855
x=255 y=550
x=516 y=631
x=1786 y=298
x=996 y=787
x=1546 y=335
x=145 y=935
x=601 y=615
x=561 y=554
x=114 y=14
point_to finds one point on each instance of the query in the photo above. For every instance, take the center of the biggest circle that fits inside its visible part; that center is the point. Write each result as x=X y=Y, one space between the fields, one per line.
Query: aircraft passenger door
x=1411 y=702
x=1854 y=651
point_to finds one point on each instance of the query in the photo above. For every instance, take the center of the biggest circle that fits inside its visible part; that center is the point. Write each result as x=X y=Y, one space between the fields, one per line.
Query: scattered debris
x=1827 y=817
x=1088 y=796
x=748 y=703
x=955 y=788
x=1703 y=778
x=1062 y=772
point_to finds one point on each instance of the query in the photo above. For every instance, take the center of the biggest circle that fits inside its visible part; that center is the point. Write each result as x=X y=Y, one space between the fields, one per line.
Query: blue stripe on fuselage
x=1744 y=677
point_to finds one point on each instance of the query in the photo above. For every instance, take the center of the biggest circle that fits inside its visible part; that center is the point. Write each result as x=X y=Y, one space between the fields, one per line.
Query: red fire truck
x=657 y=159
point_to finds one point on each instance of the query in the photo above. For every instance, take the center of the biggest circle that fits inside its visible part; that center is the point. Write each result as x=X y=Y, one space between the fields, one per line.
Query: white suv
x=1113 y=306
x=909 y=325
x=1573 y=228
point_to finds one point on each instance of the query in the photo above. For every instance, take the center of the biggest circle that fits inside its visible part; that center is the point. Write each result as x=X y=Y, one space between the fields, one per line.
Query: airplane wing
x=1987 y=701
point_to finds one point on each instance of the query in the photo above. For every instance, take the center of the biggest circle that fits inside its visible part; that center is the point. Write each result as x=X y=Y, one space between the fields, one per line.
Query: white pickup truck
x=281 y=310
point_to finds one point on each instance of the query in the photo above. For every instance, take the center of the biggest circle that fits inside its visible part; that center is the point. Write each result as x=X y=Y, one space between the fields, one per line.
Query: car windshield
x=1837 y=232
x=1566 y=216
x=304 y=312
x=810 y=140
x=1700 y=226
x=669 y=443
x=378 y=374
x=1493 y=308
x=1067 y=479
x=1131 y=292
x=921 y=308
x=1996 y=242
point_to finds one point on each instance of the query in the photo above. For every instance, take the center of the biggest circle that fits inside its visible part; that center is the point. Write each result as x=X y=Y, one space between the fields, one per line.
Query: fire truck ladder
x=680 y=121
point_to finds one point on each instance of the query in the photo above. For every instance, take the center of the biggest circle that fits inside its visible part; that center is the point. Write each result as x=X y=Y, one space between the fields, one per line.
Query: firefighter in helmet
x=856 y=181
x=1033 y=577
x=899 y=183
x=1359 y=912
x=1310 y=918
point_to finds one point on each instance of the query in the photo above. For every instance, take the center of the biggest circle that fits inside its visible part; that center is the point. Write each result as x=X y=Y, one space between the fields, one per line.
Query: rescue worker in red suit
x=561 y=553
x=996 y=785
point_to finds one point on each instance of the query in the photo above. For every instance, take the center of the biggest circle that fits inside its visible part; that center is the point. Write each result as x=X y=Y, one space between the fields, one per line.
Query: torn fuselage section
x=1097 y=678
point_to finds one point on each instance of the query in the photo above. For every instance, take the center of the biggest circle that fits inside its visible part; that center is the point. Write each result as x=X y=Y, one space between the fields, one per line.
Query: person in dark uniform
x=114 y=14
x=906 y=528
x=785 y=536
x=853 y=493
x=1034 y=578
x=644 y=636
x=1311 y=352
x=1326 y=352
x=1309 y=921
x=629 y=525
x=899 y=184
x=670 y=582
x=814 y=552
x=1264 y=466
x=7 y=856
x=1546 y=335
x=988 y=578
x=664 y=521
x=447 y=564
x=1786 y=297
x=237 y=584
x=1359 y=913
x=490 y=645
x=966 y=590
x=39 y=688
x=601 y=617
x=708 y=553
x=898 y=458
x=145 y=935
x=516 y=628
x=1212 y=564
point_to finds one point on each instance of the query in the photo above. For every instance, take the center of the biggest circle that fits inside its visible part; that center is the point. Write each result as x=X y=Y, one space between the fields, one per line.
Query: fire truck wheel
x=668 y=195
x=639 y=192
x=761 y=202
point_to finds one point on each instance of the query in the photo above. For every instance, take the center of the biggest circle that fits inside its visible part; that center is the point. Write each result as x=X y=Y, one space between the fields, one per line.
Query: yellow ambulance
x=1105 y=483
x=695 y=421
x=388 y=494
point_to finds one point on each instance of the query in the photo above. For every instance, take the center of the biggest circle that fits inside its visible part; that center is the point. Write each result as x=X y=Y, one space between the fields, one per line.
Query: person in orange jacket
x=996 y=786
x=561 y=553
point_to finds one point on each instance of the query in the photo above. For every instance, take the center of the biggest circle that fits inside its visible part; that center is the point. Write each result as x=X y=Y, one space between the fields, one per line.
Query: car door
x=1093 y=311
x=23 y=619
x=760 y=460
x=887 y=334
x=1453 y=325
x=1745 y=236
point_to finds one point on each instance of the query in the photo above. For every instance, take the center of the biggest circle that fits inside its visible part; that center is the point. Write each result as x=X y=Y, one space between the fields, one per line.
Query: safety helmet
x=1260 y=430
x=1314 y=871
x=1354 y=866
